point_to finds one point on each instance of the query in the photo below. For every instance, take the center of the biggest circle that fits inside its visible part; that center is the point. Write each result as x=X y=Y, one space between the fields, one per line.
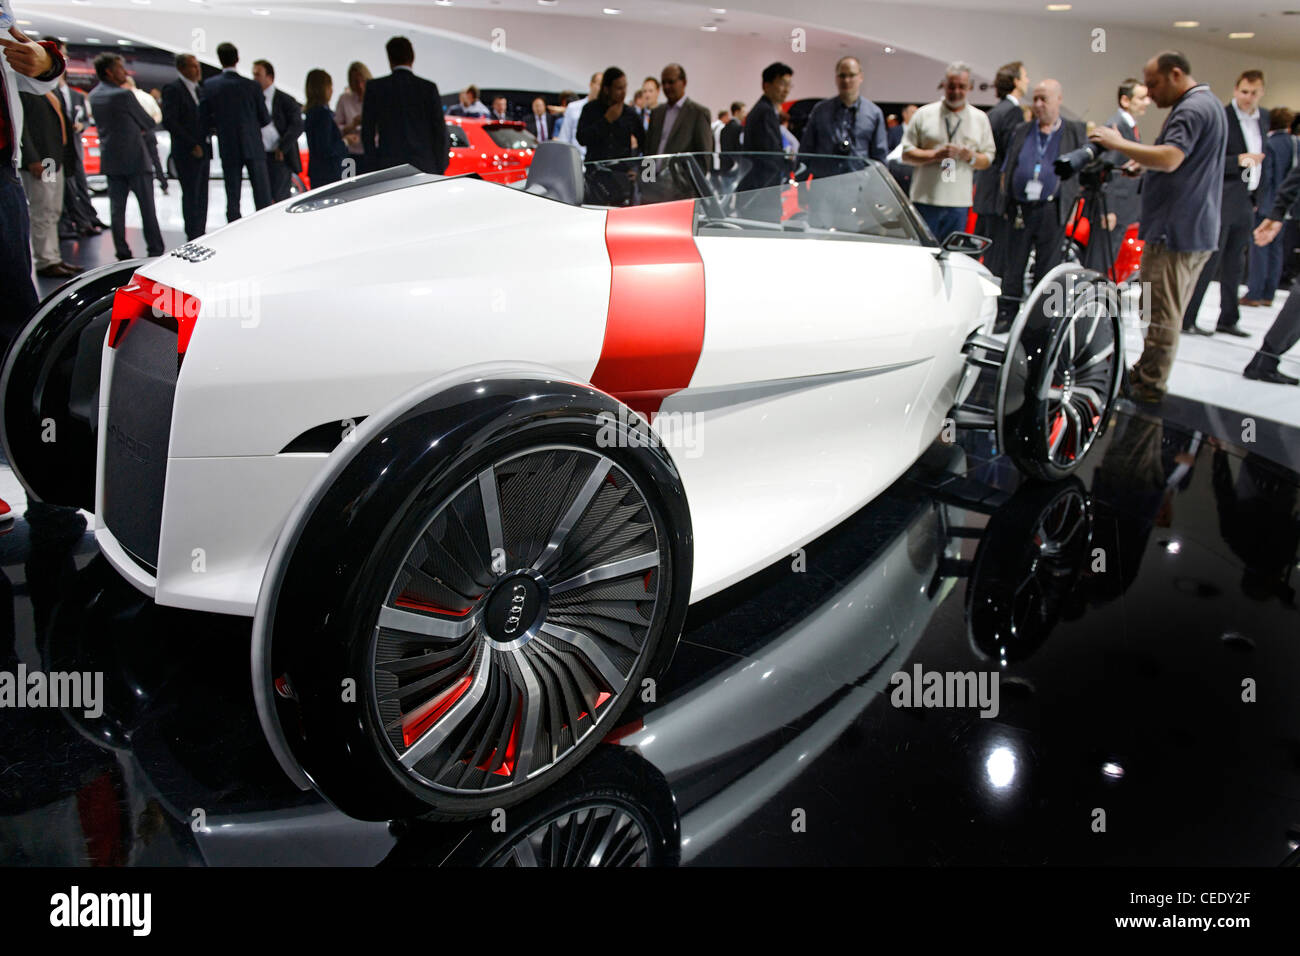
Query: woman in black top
x=325 y=146
x=610 y=130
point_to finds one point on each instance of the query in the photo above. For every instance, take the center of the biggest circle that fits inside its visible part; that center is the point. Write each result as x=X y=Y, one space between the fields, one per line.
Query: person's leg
x=956 y=220
x=1290 y=240
x=278 y=176
x=998 y=229
x=1047 y=241
x=200 y=185
x=260 y=180
x=1279 y=340
x=930 y=214
x=119 y=187
x=19 y=299
x=1261 y=257
x=142 y=186
x=1209 y=273
x=232 y=172
x=1013 y=274
x=1236 y=238
x=1171 y=276
x=45 y=209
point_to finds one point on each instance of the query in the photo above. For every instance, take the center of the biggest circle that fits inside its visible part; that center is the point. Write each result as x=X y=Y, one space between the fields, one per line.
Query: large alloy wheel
x=515 y=620
x=1065 y=360
x=599 y=834
x=471 y=599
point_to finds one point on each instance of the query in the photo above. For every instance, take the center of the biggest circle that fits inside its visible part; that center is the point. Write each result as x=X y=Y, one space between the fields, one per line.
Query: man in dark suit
x=755 y=198
x=233 y=106
x=123 y=157
x=1035 y=201
x=280 y=136
x=729 y=138
x=1242 y=175
x=539 y=122
x=1280 y=155
x=401 y=116
x=1121 y=190
x=191 y=142
x=679 y=124
x=1285 y=331
x=1012 y=85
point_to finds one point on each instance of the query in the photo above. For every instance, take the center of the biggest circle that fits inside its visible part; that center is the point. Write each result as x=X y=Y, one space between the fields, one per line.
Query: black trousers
x=19 y=299
x=281 y=177
x=1281 y=336
x=1041 y=233
x=1228 y=265
x=232 y=170
x=1290 y=240
x=192 y=172
x=995 y=227
x=119 y=187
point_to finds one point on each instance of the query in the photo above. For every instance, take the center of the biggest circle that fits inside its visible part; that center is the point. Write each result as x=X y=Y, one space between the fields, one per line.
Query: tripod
x=1096 y=211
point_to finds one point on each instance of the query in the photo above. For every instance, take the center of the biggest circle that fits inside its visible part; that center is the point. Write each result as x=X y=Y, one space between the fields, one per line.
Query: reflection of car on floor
x=432 y=484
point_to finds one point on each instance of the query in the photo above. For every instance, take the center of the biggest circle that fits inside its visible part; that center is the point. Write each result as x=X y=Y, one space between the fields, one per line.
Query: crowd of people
x=948 y=155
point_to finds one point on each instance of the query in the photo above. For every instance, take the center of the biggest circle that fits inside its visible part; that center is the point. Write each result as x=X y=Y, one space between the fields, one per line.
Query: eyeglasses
x=846 y=76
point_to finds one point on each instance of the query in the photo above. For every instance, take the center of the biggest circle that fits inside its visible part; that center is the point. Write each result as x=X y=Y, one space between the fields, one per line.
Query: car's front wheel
x=504 y=615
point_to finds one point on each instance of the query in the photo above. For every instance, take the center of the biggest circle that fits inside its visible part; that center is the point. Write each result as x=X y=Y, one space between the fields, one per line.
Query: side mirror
x=969 y=243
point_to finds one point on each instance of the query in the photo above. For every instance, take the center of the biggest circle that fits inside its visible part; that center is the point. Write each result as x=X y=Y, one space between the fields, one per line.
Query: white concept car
x=465 y=452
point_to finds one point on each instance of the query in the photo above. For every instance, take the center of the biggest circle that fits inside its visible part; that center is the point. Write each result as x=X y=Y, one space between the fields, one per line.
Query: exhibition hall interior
x=637 y=433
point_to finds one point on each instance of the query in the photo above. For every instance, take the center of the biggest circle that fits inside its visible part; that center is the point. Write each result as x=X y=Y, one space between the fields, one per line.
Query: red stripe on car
x=654 y=331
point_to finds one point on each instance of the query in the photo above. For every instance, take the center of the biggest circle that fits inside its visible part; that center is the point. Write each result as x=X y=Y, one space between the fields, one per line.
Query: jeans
x=19 y=299
x=943 y=220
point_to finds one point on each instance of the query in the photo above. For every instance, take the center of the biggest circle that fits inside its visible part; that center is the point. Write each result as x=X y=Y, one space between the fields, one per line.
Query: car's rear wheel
x=1062 y=373
x=50 y=389
x=498 y=627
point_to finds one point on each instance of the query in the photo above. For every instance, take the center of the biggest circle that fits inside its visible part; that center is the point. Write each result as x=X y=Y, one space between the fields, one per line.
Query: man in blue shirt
x=1182 y=196
x=847 y=124
x=1034 y=201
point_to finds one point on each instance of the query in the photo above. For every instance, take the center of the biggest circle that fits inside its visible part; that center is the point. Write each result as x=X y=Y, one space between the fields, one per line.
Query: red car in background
x=497 y=150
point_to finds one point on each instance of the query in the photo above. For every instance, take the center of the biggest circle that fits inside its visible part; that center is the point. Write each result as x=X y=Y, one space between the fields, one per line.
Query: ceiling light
x=94 y=40
x=717 y=9
x=143 y=3
x=23 y=23
x=1058 y=7
x=1240 y=36
x=612 y=11
x=547 y=3
x=443 y=3
x=261 y=12
x=347 y=1
x=1187 y=24
x=123 y=42
x=889 y=49
x=709 y=28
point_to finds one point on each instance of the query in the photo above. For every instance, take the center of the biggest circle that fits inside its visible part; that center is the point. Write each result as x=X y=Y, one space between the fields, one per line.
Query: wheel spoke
x=1075 y=425
x=615 y=569
x=531 y=689
x=432 y=738
x=1100 y=357
x=487 y=488
x=576 y=510
x=589 y=649
x=409 y=622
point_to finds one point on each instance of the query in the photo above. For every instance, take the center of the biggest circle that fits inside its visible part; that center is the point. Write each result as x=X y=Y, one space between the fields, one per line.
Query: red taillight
x=145 y=299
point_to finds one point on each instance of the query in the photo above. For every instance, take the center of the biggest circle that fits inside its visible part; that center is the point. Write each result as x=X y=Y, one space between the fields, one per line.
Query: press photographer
x=1181 y=207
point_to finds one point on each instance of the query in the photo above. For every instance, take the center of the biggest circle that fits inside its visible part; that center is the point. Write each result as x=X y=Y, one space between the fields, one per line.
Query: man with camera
x=1122 y=191
x=848 y=124
x=1036 y=199
x=1181 y=200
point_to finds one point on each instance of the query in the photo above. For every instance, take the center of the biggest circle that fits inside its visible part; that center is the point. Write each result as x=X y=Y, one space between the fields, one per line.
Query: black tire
x=456 y=714
x=1065 y=359
x=616 y=810
x=50 y=389
x=1029 y=560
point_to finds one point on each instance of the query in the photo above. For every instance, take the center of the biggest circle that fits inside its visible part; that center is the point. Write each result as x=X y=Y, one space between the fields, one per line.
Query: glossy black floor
x=1123 y=612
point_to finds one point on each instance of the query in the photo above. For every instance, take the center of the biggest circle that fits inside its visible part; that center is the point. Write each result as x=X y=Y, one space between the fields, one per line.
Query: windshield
x=826 y=196
x=511 y=137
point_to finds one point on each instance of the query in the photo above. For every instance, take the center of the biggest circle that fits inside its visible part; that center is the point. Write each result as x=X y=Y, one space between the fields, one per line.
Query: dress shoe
x=1269 y=375
x=1196 y=330
x=1233 y=330
x=1257 y=303
x=56 y=271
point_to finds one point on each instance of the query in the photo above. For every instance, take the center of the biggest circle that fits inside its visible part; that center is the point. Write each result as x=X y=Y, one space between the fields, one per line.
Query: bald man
x=1036 y=201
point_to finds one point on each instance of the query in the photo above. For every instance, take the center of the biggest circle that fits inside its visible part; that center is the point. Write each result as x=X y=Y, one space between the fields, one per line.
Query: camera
x=844 y=147
x=1075 y=161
